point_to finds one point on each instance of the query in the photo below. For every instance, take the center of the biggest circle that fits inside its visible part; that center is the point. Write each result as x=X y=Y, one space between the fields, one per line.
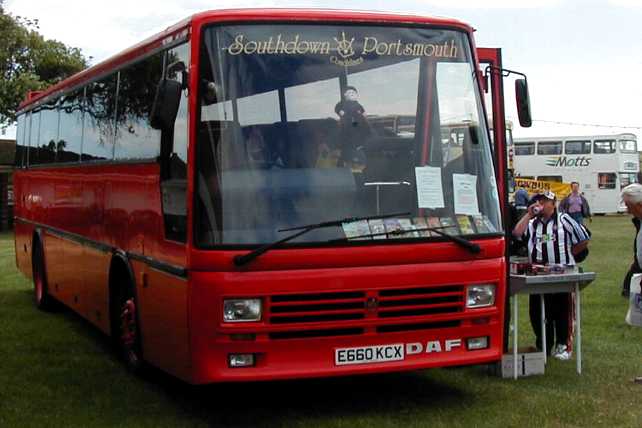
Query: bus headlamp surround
x=480 y=295
x=241 y=310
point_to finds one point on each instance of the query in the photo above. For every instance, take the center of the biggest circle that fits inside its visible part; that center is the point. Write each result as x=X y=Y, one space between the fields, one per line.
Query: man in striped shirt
x=553 y=238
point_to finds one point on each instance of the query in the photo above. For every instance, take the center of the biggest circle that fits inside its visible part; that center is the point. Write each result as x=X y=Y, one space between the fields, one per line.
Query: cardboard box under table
x=546 y=284
x=529 y=363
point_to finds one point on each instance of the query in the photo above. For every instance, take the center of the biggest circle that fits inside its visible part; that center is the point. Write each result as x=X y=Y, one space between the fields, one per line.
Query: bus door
x=607 y=192
x=493 y=57
x=589 y=187
x=163 y=291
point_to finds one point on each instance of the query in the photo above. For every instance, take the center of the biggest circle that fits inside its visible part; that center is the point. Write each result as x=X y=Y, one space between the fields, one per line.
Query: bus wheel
x=129 y=333
x=41 y=297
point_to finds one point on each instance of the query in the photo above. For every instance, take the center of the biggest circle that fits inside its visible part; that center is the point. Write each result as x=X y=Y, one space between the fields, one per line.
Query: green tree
x=30 y=62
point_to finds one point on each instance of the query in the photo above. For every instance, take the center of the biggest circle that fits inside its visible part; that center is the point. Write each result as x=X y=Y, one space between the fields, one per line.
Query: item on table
x=519 y=267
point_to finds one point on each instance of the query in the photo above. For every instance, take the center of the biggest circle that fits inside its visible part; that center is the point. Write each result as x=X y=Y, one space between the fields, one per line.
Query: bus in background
x=393 y=125
x=216 y=199
x=602 y=164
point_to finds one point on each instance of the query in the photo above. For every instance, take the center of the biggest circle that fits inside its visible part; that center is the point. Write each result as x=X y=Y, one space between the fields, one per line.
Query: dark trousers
x=626 y=284
x=557 y=315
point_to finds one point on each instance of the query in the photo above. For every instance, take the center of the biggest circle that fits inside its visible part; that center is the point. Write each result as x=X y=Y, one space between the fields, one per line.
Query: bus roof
x=576 y=138
x=182 y=29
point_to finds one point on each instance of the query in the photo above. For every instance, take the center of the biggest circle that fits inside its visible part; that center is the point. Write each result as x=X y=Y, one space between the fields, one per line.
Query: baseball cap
x=544 y=195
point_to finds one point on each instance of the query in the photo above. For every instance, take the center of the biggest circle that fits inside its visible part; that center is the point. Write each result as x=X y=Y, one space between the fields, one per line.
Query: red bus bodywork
x=89 y=217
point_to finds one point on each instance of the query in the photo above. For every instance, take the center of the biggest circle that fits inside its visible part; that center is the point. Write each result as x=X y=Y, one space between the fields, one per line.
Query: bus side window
x=174 y=186
x=554 y=178
x=606 y=180
x=549 y=148
x=604 y=146
x=47 y=145
x=70 y=127
x=135 y=138
x=98 y=129
x=524 y=149
x=22 y=141
x=577 y=147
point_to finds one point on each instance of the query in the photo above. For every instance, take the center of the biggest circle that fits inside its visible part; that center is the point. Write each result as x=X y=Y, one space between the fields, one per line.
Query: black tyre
x=41 y=297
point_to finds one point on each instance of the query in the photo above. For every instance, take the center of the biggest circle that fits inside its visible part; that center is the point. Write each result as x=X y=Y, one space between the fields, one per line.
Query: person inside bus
x=553 y=237
x=575 y=204
x=259 y=154
x=353 y=126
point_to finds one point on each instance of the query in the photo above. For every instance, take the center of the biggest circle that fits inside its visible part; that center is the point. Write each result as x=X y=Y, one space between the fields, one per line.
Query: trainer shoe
x=561 y=353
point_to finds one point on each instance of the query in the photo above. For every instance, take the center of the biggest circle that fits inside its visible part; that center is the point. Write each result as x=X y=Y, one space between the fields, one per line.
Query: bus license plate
x=369 y=354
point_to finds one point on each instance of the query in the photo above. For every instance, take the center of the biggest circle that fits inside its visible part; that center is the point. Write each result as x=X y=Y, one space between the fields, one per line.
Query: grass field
x=57 y=370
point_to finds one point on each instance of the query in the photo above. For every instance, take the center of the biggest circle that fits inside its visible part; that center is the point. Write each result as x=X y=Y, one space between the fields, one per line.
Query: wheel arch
x=37 y=239
x=121 y=275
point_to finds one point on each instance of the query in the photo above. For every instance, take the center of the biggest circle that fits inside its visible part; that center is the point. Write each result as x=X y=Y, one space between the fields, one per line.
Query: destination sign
x=340 y=50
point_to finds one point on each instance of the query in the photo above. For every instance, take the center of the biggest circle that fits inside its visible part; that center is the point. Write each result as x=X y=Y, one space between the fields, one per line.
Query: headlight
x=479 y=296
x=240 y=310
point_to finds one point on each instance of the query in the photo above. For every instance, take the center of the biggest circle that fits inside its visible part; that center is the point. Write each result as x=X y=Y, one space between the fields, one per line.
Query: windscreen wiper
x=240 y=260
x=470 y=246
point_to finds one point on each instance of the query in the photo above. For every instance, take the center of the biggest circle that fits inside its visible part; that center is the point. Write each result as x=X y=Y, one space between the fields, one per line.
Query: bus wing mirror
x=483 y=80
x=166 y=103
x=523 y=103
x=178 y=68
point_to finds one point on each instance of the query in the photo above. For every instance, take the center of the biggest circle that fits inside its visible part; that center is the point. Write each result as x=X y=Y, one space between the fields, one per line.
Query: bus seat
x=389 y=159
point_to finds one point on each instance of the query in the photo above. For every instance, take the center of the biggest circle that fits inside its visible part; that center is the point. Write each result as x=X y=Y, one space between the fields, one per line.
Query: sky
x=583 y=59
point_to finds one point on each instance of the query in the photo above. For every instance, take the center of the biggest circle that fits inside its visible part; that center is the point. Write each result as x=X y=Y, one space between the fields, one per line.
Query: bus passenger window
x=606 y=180
x=577 y=147
x=31 y=157
x=22 y=141
x=627 y=178
x=554 y=178
x=47 y=146
x=313 y=100
x=174 y=182
x=98 y=140
x=628 y=146
x=70 y=135
x=604 y=146
x=135 y=138
x=549 y=148
x=524 y=149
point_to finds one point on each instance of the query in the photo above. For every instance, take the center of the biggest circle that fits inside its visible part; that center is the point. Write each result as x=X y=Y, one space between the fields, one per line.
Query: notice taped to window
x=430 y=193
x=465 y=193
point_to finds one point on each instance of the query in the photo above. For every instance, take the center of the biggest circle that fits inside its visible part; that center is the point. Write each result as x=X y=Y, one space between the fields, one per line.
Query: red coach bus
x=222 y=200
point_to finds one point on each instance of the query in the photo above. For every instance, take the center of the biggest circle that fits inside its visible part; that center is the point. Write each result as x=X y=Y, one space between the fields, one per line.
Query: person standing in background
x=576 y=204
x=632 y=198
x=521 y=198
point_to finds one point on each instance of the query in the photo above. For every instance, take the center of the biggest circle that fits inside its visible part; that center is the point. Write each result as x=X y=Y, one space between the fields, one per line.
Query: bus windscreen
x=300 y=124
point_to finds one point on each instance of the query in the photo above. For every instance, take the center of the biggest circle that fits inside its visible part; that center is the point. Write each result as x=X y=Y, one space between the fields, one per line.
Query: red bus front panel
x=308 y=314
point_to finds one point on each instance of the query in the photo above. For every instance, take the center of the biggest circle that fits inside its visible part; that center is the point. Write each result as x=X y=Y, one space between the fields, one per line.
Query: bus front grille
x=317 y=307
x=421 y=301
x=342 y=313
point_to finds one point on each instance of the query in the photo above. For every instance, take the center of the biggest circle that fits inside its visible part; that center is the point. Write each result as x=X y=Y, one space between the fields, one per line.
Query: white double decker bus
x=602 y=164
